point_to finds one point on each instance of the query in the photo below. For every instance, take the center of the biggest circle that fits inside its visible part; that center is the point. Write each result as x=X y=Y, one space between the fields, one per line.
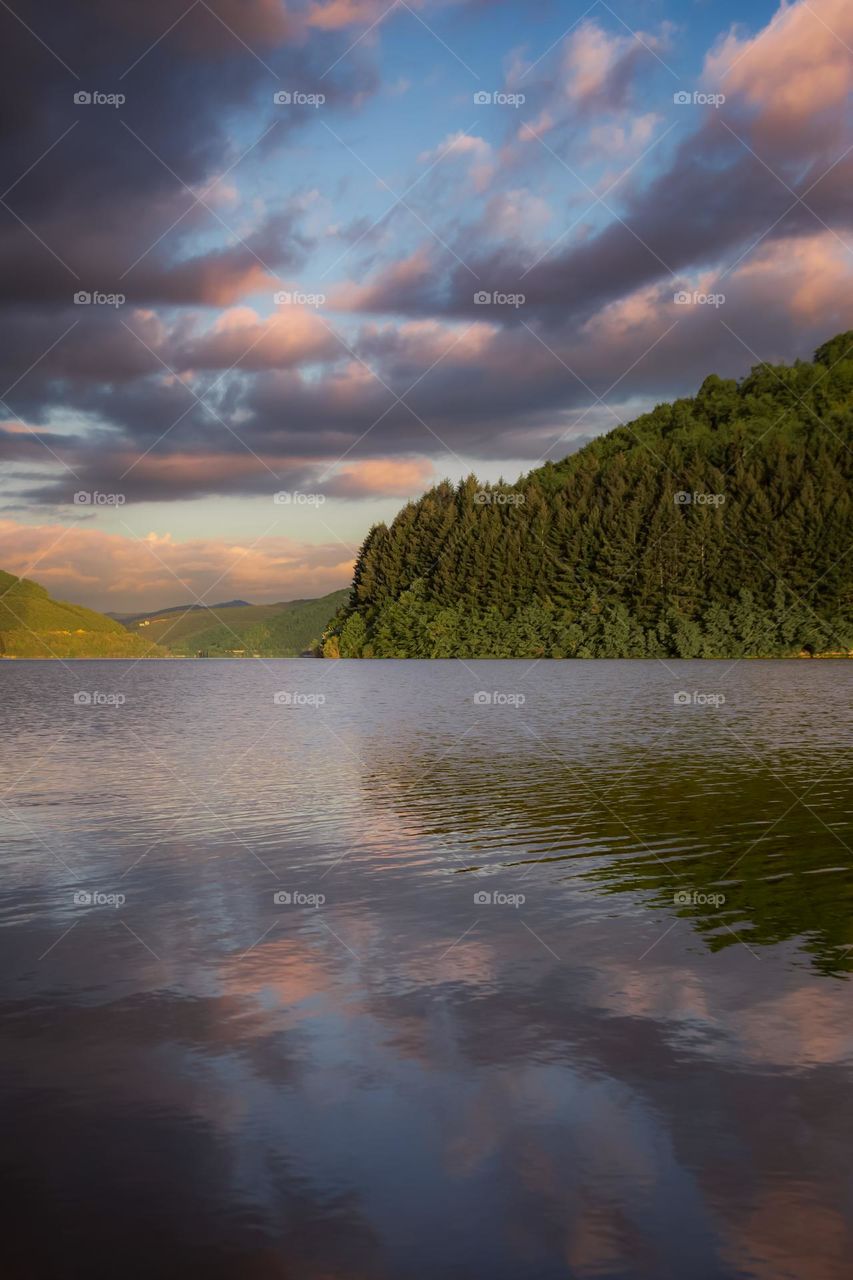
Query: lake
x=426 y=970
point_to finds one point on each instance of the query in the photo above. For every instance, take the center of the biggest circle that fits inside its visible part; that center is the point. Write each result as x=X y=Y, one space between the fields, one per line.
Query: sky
x=269 y=269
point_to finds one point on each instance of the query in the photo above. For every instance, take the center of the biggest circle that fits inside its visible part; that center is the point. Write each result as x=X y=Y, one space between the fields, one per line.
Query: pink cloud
x=805 y=274
x=204 y=472
x=216 y=472
x=381 y=477
x=292 y=335
x=117 y=571
x=591 y=56
x=458 y=146
x=422 y=343
x=219 y=282
x=409 y=273
x=794 y=74
x=794 y=279
x=335 y=15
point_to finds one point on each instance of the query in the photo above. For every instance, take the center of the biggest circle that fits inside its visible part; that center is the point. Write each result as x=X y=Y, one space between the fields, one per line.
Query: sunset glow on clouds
x=89 y=564
x=378 y=215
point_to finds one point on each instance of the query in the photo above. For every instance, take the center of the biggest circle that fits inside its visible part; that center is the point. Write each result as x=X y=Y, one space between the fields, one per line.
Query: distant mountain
x=282 y=630
x=32 y=625
x=714 y=527
x=179 y=608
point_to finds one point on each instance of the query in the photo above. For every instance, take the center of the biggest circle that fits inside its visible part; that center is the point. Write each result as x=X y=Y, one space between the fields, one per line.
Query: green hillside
x=282 y=630
x=715 y=526
x=32 y=625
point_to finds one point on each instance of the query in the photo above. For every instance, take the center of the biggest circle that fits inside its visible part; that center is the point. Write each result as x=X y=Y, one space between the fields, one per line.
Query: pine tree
x=597 y=556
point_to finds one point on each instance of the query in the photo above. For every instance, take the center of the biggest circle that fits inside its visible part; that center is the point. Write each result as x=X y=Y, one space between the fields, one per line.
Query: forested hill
x=237 y=629
x=717 y=526
x=33 y=625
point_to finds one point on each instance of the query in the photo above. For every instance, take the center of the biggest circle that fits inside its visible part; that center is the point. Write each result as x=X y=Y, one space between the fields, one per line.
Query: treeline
x=34 y=625
x=716 y=526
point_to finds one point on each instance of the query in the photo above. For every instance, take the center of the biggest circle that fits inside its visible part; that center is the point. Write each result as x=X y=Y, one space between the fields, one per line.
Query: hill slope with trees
x=237 y=629
x=33 y=625
x=718 y=526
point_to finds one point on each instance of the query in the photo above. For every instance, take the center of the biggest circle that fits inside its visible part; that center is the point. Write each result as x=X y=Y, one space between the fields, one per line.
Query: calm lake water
x=427 y=970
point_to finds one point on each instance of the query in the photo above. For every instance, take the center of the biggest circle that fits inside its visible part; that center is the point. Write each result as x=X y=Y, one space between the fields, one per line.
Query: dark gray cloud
x=90 y=189
x=514 y=398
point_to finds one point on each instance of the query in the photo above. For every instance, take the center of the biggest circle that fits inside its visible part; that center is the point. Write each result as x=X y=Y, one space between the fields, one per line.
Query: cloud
x=478 y=391
x=593 y=76
x=626 y=137
x=335 y=15
x=794 y=76
x=716 y=197
x=105 y=197
x=286 y=395
x=381 y=477
x=464 y=146
x=291 y=336
x=266 y=22
x=406 y=285
x=516 y=215
x=598 y=68
x=114 y=571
